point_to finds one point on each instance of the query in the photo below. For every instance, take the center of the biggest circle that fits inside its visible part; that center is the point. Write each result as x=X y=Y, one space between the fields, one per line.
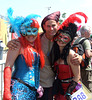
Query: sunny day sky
x=44 y=7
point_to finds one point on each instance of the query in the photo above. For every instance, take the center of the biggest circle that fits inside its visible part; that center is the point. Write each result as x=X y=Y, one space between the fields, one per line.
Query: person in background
x=75 y=38
x=23 y=82
x=85 y=32
x=50 y=26
x=2 y=46
x=90 y=40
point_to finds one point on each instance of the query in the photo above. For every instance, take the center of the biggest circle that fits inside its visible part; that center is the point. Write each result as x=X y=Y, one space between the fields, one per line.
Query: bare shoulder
x=70 y=56
x=11 y=57
x=14 y=52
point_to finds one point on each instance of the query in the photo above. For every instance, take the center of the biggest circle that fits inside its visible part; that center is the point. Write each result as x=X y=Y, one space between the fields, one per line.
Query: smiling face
x=31 y=38
x=51 y=27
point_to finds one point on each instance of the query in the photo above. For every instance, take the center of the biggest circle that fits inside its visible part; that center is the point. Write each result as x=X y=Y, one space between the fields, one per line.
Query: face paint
x=63 y=37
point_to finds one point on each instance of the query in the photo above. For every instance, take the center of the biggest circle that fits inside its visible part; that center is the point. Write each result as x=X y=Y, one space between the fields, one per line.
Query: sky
x=45 y=7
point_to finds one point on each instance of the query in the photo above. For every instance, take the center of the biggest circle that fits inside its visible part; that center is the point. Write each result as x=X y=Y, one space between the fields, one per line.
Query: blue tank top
x=29 y=75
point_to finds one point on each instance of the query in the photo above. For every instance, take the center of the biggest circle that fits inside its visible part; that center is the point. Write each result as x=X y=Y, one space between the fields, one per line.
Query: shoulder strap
x=82 y=41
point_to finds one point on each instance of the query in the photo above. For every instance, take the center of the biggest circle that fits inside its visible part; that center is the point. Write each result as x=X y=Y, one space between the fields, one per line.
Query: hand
x=68 y=97
x=13 y=44
x=76 y=60
x=6 y=95
x=70 y=89
x=40 y=91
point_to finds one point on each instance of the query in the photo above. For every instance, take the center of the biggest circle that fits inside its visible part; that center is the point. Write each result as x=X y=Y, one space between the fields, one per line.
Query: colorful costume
x=26 y=74
x=65 y=80
x=23 y=83
x=65 y=75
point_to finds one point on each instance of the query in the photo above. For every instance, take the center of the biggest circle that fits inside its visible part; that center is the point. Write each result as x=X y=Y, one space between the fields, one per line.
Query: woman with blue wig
x=22 y=81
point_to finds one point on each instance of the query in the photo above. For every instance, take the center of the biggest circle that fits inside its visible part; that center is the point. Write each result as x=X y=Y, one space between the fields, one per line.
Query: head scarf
x=53 y=16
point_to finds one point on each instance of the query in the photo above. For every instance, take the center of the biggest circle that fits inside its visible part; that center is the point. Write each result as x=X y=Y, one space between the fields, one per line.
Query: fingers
x=75 y=55
x=40 y=91
x=75 y=59
x=75 y=62
x=13 y=44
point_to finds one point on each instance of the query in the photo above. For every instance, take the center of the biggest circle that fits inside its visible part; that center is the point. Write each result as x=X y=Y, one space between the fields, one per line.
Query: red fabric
x=60 y=97
x=73 y=18
x=64 y=72
x=7 y=82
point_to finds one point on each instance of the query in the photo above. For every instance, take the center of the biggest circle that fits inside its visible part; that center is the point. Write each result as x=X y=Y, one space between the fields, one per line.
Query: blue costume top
x=29 y=75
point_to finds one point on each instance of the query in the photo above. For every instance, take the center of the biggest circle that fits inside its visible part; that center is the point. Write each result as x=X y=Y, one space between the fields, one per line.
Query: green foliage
x=62 y=19
x=63 y=15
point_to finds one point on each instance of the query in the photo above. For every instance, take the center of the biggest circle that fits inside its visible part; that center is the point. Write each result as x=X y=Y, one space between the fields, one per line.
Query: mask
x=29 y=28
x=65 y=38
x=28 y=31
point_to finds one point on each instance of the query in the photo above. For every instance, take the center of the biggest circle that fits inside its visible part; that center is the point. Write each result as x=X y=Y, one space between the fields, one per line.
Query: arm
x=87 y=47
x=13 y=44
x=11 y=56
x=76 y=78
x=88 y=53
x=75 y=68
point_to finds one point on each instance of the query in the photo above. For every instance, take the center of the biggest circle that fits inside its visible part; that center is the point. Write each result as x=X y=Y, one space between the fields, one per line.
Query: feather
x=82 y=14
x=15 y=23
x=74 y=18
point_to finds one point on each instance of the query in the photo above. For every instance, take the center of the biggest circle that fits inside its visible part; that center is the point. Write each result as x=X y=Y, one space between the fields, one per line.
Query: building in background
x=3 y=30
